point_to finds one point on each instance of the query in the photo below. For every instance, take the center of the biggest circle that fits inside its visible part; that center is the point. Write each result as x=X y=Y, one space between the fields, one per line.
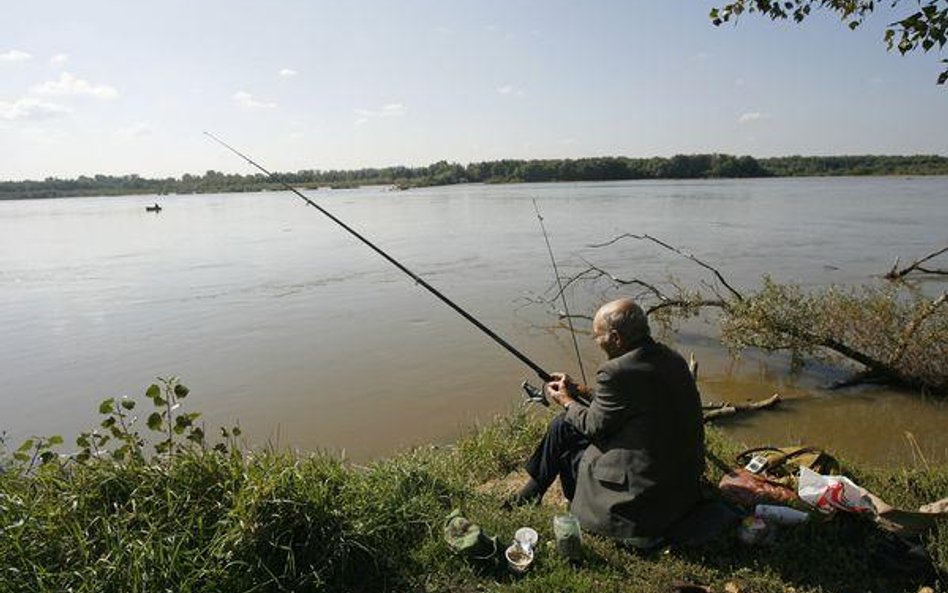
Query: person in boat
x=629 y=452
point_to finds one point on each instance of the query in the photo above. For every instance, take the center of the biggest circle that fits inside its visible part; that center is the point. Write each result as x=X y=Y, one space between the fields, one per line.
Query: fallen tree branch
x=718 y=410
x=916 y=266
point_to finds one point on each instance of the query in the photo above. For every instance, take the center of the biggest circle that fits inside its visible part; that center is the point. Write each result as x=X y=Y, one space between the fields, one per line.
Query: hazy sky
x=108 y=86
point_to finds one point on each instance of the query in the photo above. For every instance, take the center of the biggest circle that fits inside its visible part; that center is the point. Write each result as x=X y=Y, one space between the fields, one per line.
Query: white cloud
x=701 y=56
x=752 y=116
x=69 y=84
x=287 y=73
x=247 y=101
x=390 y=110
x=30 y=109
x=135 y=130
x=58 y=60
x=14 y=55
x=509 y=90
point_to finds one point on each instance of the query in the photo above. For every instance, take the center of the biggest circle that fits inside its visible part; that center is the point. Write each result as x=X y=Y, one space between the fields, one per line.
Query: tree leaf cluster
x=925 y=28
x=893 y=331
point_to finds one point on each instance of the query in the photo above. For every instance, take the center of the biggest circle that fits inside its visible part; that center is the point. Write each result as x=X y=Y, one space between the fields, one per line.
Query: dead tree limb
x=646 y=237
x=916 y=266
x=718 y=410
x=593 y=272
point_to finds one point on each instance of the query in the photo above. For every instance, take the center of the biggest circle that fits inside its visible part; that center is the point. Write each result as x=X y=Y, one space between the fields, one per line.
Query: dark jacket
x=642 y=470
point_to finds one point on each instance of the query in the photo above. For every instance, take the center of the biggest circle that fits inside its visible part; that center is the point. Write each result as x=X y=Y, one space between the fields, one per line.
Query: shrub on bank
x=196 y=517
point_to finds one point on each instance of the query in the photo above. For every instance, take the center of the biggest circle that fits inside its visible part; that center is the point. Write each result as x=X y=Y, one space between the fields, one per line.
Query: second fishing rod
x=542 y=374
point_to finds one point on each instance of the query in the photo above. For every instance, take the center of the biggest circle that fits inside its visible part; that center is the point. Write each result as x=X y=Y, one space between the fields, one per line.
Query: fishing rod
x=544 y=376
x=559 y=283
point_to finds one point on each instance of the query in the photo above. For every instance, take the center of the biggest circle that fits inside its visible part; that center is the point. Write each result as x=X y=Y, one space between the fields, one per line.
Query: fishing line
x=559 y=283
x=544 y=376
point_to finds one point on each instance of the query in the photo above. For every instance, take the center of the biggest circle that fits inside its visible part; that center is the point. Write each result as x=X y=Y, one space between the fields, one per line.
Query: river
x=281 y=322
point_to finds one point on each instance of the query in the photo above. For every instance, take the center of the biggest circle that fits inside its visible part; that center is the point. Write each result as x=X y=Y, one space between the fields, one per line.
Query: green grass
x=234 y=520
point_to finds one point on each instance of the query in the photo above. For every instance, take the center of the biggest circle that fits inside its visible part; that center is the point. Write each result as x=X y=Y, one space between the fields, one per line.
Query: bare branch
x=713 y=411
x=562 y=315
x=590 y=273
x=916 y=266
x=646 y=237
x=686 y=304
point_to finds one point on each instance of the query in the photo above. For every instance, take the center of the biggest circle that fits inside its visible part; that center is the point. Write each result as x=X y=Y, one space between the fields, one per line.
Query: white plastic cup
x=780 y=515
x=527 y=537
x=518 y=559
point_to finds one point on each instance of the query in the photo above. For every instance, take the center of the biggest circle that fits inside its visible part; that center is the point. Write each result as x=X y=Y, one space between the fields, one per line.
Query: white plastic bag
x=830 y=493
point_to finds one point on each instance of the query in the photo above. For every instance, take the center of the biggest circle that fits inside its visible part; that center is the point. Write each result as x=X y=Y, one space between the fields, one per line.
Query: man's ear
x=616 y=338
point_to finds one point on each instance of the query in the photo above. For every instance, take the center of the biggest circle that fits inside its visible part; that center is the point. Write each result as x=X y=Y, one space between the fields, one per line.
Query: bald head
x=624 y=317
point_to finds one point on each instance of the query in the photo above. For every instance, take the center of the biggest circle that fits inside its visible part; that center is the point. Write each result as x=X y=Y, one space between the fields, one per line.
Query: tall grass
x=193 y=517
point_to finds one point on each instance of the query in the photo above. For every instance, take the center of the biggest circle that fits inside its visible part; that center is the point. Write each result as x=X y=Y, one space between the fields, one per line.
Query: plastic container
x=568 y=535
x=780 y=515
x=527 y=537
x=518 y=558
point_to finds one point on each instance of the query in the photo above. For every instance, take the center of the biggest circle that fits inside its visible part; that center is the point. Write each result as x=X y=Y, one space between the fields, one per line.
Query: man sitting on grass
x=630 y=452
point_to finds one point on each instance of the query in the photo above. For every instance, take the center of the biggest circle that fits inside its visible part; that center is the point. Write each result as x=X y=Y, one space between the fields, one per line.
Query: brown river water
x=280 y=321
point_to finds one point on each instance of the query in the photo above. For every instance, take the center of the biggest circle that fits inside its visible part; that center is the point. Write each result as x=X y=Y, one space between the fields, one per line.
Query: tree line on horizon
x=696 y=166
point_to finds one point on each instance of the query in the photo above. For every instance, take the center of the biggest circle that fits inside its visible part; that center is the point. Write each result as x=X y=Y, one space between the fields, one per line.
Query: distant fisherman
x=630 y=459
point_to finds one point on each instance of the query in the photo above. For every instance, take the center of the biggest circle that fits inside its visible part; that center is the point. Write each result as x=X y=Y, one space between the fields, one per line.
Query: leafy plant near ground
x=188 y=517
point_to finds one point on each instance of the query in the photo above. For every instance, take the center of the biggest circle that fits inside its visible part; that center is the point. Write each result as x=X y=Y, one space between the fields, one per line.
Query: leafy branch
x=923 y=29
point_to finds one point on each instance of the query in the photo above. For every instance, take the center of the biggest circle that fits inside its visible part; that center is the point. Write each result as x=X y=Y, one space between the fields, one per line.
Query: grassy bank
x=200 y=518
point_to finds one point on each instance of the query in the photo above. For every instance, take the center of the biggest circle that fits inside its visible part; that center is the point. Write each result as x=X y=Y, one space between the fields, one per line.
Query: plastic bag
x=830 y=493
x=469 y=539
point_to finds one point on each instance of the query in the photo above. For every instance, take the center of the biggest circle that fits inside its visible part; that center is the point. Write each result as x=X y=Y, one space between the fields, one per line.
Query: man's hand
x=562 y=389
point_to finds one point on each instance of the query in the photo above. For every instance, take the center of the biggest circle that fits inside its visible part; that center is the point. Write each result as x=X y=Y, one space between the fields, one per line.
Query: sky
x=120 y=87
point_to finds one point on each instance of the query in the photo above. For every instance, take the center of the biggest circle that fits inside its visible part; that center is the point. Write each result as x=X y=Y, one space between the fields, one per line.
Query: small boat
x=155 y=208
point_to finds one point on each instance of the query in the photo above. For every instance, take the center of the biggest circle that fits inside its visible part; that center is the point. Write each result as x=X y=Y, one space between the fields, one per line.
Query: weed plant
x=168 y=511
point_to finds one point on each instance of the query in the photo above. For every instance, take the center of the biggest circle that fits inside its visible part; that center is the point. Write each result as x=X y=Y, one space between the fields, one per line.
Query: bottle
x=780 y=515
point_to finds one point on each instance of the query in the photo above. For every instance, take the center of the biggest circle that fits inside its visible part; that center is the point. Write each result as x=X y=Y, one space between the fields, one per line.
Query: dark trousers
x=558 y=454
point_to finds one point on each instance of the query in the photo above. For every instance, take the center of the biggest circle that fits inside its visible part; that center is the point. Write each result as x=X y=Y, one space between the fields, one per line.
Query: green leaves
x=37 y=449
x=922 y=30
x=116 y=438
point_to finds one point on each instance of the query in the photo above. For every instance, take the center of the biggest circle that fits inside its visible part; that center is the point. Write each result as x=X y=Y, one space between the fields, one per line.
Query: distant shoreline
x=698 y=166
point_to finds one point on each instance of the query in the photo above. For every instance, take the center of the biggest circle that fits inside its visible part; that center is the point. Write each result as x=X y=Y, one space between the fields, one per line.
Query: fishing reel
x=534 y=394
